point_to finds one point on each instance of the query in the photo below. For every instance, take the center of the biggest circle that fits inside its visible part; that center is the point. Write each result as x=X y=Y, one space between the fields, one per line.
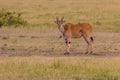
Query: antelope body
x=70 y=31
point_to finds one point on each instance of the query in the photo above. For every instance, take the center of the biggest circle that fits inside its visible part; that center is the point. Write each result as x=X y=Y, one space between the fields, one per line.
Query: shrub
x=11 y=19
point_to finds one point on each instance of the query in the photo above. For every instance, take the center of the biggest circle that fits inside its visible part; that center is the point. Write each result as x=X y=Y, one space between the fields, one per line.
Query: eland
x=70 y=30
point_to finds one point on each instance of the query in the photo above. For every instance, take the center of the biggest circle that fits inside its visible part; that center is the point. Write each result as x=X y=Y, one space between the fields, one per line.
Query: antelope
x=70 y=30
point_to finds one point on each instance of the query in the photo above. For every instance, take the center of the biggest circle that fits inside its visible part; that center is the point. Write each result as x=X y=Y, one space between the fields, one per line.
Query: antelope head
x=60 y=24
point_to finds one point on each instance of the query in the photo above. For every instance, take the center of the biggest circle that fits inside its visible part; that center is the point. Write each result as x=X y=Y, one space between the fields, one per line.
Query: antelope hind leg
x=89 y=49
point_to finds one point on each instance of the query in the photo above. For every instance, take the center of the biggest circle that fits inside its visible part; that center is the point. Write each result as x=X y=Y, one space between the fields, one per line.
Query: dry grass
x=102 y=14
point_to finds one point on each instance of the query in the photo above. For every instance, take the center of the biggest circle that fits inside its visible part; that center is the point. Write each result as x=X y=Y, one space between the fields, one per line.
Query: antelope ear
x=63 y=20
x=56 y=20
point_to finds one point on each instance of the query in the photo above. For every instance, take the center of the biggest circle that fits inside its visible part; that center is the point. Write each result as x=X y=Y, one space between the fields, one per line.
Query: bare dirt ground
x=23 y=53
x=27 y=42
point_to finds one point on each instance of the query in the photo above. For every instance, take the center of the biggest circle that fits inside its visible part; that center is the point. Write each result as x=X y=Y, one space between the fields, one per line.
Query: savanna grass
x=65 y=68
x=41 y=13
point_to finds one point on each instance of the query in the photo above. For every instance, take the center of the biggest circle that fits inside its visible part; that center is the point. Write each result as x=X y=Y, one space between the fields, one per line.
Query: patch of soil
x=26 y=53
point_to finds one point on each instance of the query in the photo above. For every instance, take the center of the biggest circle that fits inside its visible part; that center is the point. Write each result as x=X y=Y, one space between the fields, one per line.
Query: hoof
x=66 y=53
x=86 y=52
x=91 y=52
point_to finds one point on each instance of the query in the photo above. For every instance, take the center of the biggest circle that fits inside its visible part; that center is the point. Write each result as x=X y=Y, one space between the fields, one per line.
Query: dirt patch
x=26 y=53
x=101 y=54
x=28 y=42
x=108 y=54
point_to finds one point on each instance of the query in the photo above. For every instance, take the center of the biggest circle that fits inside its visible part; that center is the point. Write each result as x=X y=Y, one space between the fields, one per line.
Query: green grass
x=59 y=68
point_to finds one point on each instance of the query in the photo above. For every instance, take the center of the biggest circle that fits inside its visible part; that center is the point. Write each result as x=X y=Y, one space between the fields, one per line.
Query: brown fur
x=70 y=31
x=76 y=30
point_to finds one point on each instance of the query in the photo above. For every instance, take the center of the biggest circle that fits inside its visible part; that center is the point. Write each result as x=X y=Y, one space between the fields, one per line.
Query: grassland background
x=33 y=52
x=103 y=14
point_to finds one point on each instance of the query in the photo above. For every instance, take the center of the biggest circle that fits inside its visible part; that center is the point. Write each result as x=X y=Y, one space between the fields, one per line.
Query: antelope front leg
x=68 y=47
